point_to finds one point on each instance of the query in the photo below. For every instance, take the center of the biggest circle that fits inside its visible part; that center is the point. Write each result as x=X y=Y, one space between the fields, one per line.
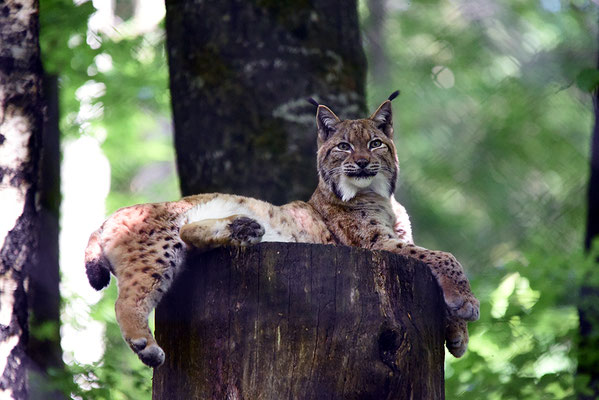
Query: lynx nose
x=362 y=163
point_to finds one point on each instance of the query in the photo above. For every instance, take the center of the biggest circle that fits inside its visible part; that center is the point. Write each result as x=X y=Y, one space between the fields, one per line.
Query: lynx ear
x=383 y=118
x=326 y=120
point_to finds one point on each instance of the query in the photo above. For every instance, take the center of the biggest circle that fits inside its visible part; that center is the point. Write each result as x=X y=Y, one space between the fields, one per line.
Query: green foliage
x=113 y=87
x=588 y=79
x=493 y=142
x=63 y=27
x=118 y=376
x=524 y=346
x=492 y=129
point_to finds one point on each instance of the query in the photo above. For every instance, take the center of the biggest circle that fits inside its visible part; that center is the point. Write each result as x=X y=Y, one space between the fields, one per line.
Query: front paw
x=245 y=231
x=462 y=305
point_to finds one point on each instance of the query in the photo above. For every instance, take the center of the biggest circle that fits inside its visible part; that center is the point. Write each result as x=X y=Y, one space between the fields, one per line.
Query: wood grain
x=301 y=321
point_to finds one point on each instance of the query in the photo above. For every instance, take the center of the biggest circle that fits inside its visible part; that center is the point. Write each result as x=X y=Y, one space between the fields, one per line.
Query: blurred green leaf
x=588 y=79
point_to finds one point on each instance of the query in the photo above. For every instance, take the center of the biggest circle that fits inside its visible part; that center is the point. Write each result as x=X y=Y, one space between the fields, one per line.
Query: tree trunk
x=301 y=321
x=45 y=353
x=240 y=73
x=21 y=119
x=375 y=34
x=588 y=308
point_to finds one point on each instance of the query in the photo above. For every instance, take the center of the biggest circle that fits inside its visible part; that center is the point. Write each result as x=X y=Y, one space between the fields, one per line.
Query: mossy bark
x=300 y=321
x=240 y=73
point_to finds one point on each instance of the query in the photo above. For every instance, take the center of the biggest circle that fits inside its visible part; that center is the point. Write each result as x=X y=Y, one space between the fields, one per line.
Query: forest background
x=494 y=126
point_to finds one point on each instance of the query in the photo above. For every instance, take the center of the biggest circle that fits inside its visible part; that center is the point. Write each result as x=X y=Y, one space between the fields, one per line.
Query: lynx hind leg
x=237 y=230
x=456 y=336
x=138 y=296
x=141 y=287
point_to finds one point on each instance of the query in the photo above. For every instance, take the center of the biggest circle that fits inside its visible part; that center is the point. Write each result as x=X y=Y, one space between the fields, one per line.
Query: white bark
x=21 y=117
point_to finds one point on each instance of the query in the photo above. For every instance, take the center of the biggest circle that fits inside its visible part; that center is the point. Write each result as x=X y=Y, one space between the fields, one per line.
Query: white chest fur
x=349 y=187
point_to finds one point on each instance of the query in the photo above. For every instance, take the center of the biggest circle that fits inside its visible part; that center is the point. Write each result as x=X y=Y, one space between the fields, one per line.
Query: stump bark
x=301 y=321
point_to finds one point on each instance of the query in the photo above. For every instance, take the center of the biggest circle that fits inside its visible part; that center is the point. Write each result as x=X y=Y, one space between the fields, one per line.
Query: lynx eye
x=375 y=143
x=344 y=146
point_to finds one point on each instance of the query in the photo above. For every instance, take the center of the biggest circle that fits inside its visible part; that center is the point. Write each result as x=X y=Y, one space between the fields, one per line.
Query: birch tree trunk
x=301 y=321
x=240 y=73
x=21 y=119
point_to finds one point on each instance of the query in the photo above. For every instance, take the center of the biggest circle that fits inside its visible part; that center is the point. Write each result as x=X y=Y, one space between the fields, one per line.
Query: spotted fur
x=144 y=245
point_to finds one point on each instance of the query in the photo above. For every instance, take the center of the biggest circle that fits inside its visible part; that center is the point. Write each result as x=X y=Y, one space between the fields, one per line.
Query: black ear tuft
x=312 y=101
x=394 y=95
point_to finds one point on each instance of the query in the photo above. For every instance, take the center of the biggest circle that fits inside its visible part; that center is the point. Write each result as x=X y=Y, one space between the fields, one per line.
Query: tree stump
x=301 y=321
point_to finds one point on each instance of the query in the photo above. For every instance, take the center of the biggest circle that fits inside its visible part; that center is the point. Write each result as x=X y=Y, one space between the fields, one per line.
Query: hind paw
x=245 y=231
x=152 y=355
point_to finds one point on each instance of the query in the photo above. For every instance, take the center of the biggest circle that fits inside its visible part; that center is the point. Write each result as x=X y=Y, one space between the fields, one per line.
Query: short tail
x=97 y=266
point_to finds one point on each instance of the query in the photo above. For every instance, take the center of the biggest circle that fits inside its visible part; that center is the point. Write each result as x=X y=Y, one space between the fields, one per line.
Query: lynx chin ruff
x=144 y=245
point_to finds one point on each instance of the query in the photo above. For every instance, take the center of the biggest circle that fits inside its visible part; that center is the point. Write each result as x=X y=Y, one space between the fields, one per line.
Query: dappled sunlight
x=443 y=77
x=85 y=185
x=516 y=285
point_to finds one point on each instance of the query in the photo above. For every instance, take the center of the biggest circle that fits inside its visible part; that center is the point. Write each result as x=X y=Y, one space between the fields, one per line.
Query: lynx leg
x=448 y=272
x=207 y=234
x=450 y=275
x=132 y=310
x=456 y=292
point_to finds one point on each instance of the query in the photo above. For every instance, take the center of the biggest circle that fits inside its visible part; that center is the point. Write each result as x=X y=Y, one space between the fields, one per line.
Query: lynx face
x=357 y=155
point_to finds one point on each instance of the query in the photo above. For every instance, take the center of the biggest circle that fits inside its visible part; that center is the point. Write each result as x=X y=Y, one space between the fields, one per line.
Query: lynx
x=144 y=245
